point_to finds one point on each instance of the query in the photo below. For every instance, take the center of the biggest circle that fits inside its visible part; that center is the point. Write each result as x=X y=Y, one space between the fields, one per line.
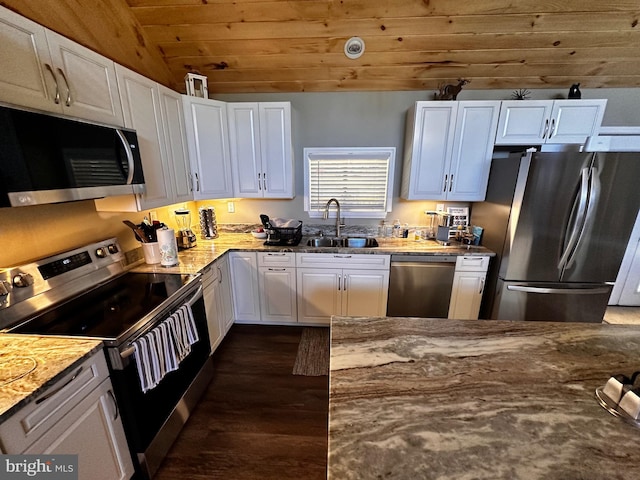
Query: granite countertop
x=205 y=252
x=455 y=399
x=55 y=355
x=41 y=360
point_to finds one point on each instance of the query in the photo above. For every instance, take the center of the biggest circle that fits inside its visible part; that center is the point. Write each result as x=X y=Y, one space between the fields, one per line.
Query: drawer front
x=343 y=260
x=276 y=259
x=472 y=263
x=47 y=408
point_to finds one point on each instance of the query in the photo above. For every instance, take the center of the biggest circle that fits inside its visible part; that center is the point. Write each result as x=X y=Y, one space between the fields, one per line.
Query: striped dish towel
x=161 y=350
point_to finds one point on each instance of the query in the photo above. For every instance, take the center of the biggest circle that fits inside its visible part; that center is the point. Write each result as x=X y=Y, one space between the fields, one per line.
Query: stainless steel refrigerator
x=559 y=223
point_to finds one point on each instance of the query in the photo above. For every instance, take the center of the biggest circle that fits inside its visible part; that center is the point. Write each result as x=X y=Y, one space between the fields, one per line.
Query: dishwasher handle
x=398 y=260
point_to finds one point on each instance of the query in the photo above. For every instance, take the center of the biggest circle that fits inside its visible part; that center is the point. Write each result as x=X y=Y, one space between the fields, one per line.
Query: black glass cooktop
x=110 y=310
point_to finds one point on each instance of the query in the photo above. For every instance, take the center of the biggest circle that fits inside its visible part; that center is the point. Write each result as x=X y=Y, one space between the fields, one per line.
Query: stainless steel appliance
x=420 y=285
x=86 y=292
x=559 y=223
x=185 y=237
x=50 y=159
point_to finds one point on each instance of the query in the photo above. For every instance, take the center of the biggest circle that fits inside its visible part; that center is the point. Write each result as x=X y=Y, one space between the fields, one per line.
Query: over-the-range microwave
x=50 y=159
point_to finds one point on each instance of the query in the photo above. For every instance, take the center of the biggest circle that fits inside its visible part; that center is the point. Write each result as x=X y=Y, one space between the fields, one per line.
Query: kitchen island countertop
x=453 y=399
x=41 y=359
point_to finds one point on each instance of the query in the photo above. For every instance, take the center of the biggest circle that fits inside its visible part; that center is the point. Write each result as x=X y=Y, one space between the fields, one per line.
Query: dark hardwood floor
x=256 y=420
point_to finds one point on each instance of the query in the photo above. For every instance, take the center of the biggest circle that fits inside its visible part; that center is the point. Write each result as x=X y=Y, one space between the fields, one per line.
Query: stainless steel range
x=87 y=292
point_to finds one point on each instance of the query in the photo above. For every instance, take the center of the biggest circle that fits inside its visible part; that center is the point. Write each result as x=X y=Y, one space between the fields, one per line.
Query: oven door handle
x=127 y=352
x=195 y=297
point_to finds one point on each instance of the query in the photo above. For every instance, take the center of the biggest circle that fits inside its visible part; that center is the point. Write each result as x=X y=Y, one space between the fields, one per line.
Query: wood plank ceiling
x=298 y=45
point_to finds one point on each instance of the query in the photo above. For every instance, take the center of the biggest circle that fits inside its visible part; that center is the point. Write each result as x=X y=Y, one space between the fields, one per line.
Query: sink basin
x=324 y=242
x=360 y=242
x=350 y=242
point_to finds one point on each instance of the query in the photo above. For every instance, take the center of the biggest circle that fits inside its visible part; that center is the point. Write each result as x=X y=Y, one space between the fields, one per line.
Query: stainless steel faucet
x=325 y=215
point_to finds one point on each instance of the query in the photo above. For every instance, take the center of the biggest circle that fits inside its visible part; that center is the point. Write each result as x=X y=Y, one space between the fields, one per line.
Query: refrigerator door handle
x=559 y=291
x=581 y=199
x=594 y=197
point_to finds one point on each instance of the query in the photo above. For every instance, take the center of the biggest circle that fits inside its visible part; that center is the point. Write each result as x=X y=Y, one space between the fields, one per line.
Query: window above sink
x=361 y=178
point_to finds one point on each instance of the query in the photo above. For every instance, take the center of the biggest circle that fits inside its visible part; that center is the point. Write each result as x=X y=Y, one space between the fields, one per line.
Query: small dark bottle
x=574 y=91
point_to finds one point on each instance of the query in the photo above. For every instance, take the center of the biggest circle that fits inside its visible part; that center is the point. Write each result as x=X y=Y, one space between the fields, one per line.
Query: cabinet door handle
x=56 y=99
x=553 y=128
x=342 y=256
x=444 y=188
x=339 y=282
x=219 y=274
x=481 y=286
x=546 y=128
x=345 y=283
x=115 y=404
x=52 y=393
x=264 y=181
x=276 y=254
x=277 y=269
x=451 y=182
x=259 y=184
x=67 y=102
x=197 y=182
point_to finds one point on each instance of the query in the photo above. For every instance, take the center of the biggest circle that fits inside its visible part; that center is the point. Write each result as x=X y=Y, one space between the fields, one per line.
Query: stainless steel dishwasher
x=420 y=285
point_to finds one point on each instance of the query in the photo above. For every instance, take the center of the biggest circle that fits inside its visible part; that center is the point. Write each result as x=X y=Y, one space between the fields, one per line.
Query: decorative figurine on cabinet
x=450 y=92
x=521 y=94
x=574 y=91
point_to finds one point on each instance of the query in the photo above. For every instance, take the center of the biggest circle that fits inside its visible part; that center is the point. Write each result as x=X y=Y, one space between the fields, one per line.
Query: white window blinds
x=360 y=178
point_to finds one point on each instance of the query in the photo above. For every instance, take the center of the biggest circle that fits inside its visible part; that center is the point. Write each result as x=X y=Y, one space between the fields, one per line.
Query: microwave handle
x=127 y=149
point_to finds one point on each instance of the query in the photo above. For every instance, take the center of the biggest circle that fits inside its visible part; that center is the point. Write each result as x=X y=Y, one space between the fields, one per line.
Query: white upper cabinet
x=206 y=127
x=141 y=105
x=535 y=122
x=155 y=113
x=261 y=149
x=448 y=148
x=176 y=144
x=43 y=70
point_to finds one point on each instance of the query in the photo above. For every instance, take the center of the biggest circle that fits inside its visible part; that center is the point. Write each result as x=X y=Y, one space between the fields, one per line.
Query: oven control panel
x=57 y=277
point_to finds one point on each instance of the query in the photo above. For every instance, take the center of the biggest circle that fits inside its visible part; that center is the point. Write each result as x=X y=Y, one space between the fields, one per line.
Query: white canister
x=168 y=247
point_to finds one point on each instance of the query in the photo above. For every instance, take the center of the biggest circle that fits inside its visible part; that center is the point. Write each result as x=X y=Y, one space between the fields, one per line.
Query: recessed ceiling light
x=354 y=47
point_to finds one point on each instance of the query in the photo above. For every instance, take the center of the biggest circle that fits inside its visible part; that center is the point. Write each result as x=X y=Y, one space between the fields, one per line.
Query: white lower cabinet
x=277 y=287
x=244 y=280
x=334 y=284
x=217 y=300
x=264 y=287
x=210 y=293
x=224 y=297
x=468 y=287
x=76 y=415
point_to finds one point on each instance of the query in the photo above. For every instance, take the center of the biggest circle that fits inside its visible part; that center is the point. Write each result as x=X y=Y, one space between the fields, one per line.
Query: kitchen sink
x=350 y=242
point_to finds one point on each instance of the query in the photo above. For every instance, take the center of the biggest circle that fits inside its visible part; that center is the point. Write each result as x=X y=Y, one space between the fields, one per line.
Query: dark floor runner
x=313 y=352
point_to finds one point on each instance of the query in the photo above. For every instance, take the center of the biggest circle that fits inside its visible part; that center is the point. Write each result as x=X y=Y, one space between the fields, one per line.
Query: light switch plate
x=231 y=207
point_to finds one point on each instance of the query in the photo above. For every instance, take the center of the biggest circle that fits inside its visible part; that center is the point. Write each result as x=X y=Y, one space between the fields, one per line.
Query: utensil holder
x=151 y=253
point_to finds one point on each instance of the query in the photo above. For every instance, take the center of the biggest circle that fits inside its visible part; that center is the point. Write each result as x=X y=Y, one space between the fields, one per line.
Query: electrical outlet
x=231 y=207
x=440 y=207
